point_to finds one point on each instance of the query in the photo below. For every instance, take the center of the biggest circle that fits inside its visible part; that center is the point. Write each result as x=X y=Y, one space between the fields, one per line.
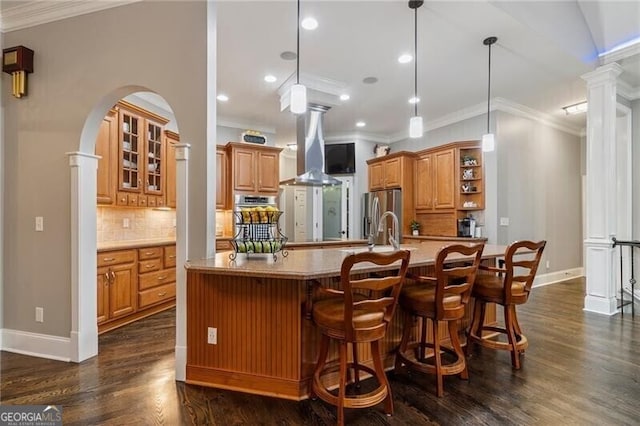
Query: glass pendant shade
x=488 y=142
x=415 y=127
x=298 y=99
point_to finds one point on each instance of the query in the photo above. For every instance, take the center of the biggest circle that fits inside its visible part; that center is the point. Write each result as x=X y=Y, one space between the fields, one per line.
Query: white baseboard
x=558 y=276
x=34 y=344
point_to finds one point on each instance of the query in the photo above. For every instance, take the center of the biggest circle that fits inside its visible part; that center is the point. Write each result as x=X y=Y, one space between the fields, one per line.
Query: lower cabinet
x=133 y=284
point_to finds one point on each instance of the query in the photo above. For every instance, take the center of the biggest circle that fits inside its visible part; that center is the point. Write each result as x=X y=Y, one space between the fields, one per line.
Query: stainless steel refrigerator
x=373 y=205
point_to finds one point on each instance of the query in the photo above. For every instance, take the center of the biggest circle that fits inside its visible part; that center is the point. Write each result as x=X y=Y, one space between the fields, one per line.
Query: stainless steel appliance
x=373 y=205
x=466 y=227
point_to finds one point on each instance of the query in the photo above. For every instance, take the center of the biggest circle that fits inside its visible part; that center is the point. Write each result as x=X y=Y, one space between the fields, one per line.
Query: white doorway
x=337 y=210
x=300 y=214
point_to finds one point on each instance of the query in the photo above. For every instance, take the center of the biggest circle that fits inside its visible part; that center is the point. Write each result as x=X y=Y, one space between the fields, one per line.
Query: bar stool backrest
x=521 y=270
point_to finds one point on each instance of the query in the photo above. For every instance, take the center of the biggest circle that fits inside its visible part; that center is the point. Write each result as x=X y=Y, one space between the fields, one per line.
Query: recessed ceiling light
x=222 y=98
x=344 y=97
x=361 y=124
x=370 y=80
x=414 y=100
x=309 y=23
x=405 y=58
x=269 y=78
x=288 y=55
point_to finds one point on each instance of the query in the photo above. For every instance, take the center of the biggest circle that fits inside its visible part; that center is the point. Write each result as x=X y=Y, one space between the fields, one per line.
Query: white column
x=84 y=327
x=182 y=242
x=601 y=189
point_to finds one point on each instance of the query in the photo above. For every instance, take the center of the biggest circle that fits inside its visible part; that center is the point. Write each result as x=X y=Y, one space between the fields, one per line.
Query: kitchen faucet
x=374 y=223
x=393 y=239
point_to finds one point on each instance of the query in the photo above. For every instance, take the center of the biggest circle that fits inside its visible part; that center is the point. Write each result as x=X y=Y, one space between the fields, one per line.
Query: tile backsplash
x=123 y=224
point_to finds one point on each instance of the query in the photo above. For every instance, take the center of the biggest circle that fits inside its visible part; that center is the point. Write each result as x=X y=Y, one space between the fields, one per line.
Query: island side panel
x=258 y=325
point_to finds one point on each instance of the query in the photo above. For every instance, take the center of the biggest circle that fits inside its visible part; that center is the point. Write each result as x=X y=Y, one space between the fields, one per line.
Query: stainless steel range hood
x=310 y=157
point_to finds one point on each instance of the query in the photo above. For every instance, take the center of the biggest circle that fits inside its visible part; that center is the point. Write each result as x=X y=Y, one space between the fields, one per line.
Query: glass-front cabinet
x=141 y=161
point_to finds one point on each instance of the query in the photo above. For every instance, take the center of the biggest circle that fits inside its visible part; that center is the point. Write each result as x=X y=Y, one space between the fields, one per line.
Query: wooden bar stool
x=439 y=298
x=508 y=286
x=360 y=312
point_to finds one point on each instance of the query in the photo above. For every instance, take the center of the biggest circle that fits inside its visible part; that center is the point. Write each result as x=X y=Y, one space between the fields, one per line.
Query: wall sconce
x=18 y=61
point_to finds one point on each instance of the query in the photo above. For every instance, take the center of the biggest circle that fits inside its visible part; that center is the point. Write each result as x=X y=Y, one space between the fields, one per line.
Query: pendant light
x=298 y=102
x=488 y=139
x=415 y=123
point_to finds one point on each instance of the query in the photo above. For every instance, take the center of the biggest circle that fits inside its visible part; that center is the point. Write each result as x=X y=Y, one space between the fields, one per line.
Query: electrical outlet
x=504 y=221
x=39 y=223
x=125 y=222
x=212 y=336
x=548 y=264
x=39 y=314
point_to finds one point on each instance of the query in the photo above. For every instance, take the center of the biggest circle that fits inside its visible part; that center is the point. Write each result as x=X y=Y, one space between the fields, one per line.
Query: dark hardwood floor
x=580 y=368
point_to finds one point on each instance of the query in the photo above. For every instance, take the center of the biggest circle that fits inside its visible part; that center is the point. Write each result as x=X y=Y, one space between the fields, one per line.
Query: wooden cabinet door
x=170 y=174
x=154 y=163
x=122 y=290
x=424 y=183
x=243 y=169
x=103 y=294
x=376 y=176
x=107 y=148
x=131 y=149
x=268 y=166
x=221 y=178
x=393 y=173
x=444 y=179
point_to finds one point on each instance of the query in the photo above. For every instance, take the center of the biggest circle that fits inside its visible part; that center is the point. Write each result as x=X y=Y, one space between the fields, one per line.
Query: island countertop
x=313 y=264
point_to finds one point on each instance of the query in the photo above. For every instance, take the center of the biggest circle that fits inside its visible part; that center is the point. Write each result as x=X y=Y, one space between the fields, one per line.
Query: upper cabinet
x=171 y=139
x=470 y=179
x=141 y=159
x=107 y=149
x=395 y=171
x=387 y=172
x=221 y=177
x=254 y=169
x=449 y=185
x=132 y=169
x=435 y=180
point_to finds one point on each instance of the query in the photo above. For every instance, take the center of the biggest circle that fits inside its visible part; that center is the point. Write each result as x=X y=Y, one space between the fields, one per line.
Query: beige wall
x=81 y=63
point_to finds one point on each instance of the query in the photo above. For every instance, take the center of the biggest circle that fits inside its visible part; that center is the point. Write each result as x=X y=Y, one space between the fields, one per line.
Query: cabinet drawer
x=116 y=257
x=149 y=253
x=153 y=279
x=223 y=245
x=170 y=257
x=156 y=295
x=151 y=265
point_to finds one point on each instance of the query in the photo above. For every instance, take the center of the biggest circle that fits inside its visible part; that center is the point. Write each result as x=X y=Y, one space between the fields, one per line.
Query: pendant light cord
x=298 y=46
x=489 y=90
x=415 y=62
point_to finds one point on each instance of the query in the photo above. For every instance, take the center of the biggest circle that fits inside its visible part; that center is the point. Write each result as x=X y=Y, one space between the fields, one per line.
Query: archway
x=83 y=163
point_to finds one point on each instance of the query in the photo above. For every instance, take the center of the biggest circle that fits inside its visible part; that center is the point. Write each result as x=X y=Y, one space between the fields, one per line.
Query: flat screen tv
x=340 y=158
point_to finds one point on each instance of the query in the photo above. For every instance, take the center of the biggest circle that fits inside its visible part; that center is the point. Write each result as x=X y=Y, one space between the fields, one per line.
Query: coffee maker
x=466 y=227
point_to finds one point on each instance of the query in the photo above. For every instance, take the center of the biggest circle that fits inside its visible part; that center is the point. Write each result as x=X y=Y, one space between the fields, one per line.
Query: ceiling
x=543 y=48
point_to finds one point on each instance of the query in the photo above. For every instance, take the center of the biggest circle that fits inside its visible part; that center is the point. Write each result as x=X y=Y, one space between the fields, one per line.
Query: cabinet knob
x=109 y=259
x=162 y=277
x=162 y=294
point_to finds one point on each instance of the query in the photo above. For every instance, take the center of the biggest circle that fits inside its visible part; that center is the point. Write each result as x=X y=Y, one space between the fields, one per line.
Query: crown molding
x=628 y=92
x=513 y=108
x=622 y=52
x=32 y=13
x=226 y=122
x=497 y=104
x=371 y=137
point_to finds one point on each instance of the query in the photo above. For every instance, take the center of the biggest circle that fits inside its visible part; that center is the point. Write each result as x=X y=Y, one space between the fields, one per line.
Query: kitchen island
x=264 y=341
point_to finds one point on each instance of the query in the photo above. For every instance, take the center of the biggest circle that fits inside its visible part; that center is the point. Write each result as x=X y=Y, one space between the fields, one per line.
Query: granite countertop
x=438 y=238
x=134 y=244
x=313 y=263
